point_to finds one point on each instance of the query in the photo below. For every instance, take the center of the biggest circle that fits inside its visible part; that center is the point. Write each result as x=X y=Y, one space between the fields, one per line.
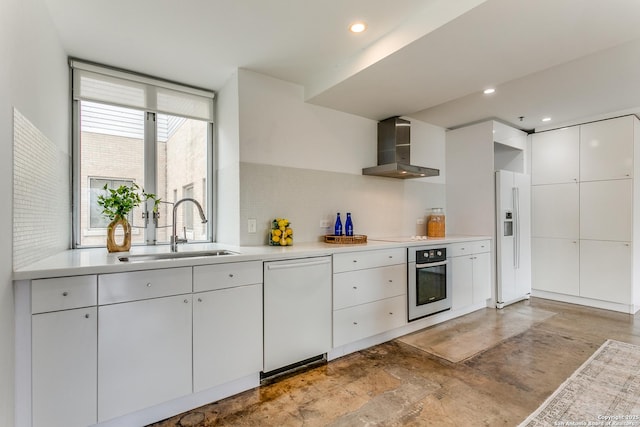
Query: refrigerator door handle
x=516 y=226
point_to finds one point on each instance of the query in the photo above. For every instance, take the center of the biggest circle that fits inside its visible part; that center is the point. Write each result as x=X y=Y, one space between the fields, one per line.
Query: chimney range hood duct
x=394 y=148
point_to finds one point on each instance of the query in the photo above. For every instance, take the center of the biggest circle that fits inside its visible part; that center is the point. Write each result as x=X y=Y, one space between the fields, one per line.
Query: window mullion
x=150 y=173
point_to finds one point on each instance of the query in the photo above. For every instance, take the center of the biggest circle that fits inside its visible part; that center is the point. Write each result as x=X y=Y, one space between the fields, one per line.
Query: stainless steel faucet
x=174 y=236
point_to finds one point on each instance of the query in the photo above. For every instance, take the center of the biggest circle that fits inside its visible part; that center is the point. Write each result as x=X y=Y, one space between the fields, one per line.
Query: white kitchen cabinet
x=481 y=277
x=606 y=210
x=595 y=266
x=362 y=286
x=556 y=265
x=368 y=259
x=61 y=293
x=369 y=293
x=606 y=149
x=556 y=210
x=64 y=368
x=365 y=320
x=144 y=354
x=605 y=271
x=227 y=335
x=470 y=273
x=227 y=275
x=461 y=282
x=555 y=156
x=137 y=285
x=227 y=322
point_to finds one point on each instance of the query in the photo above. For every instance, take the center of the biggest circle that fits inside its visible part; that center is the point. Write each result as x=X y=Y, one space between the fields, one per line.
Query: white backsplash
x=40 y=176
x=379 y=206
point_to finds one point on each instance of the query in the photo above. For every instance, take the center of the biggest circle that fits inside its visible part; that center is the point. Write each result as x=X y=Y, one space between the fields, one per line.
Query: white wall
x=228 y=175
x=278 y=128
x=33 y=79
x=305 y=162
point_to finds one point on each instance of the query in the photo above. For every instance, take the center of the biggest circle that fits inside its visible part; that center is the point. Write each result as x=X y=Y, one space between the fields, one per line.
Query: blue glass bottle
x=348 y=226
x=338 y=227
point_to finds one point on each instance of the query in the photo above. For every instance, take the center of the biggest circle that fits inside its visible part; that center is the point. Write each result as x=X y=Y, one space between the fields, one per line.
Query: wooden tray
x=345 y=240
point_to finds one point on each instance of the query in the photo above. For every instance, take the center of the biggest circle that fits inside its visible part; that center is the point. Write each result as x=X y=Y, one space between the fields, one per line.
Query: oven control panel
x=431 y=255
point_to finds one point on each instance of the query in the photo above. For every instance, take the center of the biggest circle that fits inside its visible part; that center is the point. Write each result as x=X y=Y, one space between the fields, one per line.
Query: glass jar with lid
x=435 y=223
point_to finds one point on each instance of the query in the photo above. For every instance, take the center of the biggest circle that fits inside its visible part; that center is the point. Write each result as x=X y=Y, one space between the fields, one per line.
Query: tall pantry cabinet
x=583 y=226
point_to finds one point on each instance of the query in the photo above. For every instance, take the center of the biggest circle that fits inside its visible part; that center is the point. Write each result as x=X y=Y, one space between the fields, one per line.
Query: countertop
x=75 y=262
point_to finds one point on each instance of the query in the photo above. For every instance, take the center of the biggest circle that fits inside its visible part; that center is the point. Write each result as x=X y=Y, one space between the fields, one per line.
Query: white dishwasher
x=297 y=311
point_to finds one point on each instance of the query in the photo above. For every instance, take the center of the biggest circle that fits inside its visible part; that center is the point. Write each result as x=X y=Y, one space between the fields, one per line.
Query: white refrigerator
x=513 y=237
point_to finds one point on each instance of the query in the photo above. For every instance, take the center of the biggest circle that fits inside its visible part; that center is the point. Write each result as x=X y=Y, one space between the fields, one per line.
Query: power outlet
x=325 y=223
x=252 y=225
x=420 y=221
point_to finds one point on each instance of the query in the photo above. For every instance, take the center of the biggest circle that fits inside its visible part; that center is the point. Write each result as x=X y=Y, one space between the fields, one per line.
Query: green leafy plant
x=118 y=202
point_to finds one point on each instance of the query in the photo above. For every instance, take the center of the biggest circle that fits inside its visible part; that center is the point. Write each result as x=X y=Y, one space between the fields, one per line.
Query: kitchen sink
x=173 y=255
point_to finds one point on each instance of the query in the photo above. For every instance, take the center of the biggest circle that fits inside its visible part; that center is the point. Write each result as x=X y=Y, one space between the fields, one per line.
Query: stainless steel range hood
x=394 y=152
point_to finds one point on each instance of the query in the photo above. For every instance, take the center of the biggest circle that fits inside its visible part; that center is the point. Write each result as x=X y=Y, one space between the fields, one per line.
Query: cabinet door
x=481 y=277
x=556 y=265
x=461 y=281
x=144 y=354
x=555 y=156
x=606 y=149
x=64 y=355
x=605 y=271
x=556 y=211
x=227 y=335
x=606 y=210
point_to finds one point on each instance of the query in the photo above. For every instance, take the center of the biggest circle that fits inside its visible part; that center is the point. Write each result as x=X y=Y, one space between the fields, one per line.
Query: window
x=130 y=128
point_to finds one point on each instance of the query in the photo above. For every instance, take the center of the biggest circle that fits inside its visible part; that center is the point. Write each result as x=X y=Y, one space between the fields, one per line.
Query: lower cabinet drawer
x=362 y=321
x=368 y=259
x=137 y=285
x=226 y=275
x=63 y=293
x=481 y=246
x=363 y=286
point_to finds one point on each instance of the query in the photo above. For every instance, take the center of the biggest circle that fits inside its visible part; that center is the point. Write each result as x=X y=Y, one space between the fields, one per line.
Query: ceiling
x=571 y=60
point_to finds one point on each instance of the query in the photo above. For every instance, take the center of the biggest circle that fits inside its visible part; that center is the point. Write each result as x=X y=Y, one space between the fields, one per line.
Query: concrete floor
x=489 y=368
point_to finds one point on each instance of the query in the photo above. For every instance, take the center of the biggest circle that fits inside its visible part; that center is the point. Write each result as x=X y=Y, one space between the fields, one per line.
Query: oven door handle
x=433 y=264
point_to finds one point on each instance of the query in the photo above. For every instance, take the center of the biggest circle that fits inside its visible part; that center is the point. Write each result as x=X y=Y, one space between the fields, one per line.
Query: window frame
x=150 y=135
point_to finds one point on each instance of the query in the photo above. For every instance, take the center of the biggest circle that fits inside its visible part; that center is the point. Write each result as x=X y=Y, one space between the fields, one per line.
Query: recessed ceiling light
x=357 y=27
x=489 y=91
x=546 y=119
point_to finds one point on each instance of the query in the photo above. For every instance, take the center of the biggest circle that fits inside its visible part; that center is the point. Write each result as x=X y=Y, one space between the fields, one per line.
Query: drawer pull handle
x=355 y=323
x=186 y=301
x=391 y=313
x=390 y=281
x=230 y=274
x=199 y=299
x=355 y=287
x=149 y=285
x=355 y=260
x=65 y=293
x=390 y=256
x=86 y=316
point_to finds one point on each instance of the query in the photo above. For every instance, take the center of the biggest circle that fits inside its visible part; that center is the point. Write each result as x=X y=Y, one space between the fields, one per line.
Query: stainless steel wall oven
x=429 y=282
